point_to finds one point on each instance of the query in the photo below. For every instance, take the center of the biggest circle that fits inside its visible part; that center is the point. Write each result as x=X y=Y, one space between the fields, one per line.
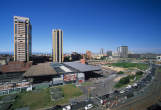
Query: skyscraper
x=57 y=45
x=102 y=51
x=122 y=51
x=22 y=38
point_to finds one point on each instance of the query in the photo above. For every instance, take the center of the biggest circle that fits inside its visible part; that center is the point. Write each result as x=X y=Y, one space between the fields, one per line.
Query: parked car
x=89 y=106
x=128 y=87
x=122 y=91
x=68 y=107
x=57 y=107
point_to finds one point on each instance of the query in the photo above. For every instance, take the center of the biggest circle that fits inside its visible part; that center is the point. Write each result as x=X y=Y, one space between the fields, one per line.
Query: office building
x=122 y=51
x=57 y=36
x=109 y=53
x=22 y=38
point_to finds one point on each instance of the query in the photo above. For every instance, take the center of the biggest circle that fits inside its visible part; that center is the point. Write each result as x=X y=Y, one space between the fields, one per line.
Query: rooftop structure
x=82 y=67
x=41 y=69
x=17 y=66
x=46 y=69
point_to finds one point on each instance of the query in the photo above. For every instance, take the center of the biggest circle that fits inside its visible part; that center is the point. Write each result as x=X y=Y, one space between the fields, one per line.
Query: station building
x=61 y=73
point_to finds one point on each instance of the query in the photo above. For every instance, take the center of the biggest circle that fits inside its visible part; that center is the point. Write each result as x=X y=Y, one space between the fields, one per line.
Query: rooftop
x=21 y=18
x=40 y=70
x=49 y=68
x=82 y=67
x=17 y=66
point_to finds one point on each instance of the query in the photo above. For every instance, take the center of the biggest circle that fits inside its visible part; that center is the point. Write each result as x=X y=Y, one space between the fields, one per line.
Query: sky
x=86 y=24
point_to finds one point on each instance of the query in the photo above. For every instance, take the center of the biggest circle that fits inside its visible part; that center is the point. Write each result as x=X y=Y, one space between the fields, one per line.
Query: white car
x=68 y=107
x=89 y=106
x=135 y=84
x=128 y=87
x=122 y=91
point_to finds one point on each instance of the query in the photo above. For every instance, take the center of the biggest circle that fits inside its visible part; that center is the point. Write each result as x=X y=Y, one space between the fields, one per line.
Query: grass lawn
x=41 y=99
x=86 y=84
x=33 y=99
x=70 y=91
x=129 y=65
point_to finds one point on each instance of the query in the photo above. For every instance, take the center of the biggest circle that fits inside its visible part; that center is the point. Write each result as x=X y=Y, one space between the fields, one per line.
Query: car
x=122 y=91
x=68 y=107
x=128 y=87
x=57 y=107
x=135 y=85
x=89 y=106
x=116 y=92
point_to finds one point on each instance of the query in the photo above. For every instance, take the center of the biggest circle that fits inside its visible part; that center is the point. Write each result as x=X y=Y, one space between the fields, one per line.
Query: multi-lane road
x=150 y=96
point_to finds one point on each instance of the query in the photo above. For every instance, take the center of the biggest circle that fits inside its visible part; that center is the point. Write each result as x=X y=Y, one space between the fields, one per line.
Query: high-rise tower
x=57 y=45
x=22 y=39
x=122 y=51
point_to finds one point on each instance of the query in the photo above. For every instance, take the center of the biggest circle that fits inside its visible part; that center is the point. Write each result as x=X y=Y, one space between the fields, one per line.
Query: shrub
x=120 y=72
x=139 y=73
x=124 y=80
x=131 y=76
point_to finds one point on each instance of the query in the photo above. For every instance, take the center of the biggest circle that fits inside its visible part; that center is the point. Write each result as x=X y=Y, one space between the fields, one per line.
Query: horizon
x=87 y=25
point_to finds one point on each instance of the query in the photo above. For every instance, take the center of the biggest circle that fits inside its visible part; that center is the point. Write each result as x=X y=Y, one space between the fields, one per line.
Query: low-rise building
x=158 y=58
x=13 y=71
x=14 y=87
x=4 y=60
x=60 y=73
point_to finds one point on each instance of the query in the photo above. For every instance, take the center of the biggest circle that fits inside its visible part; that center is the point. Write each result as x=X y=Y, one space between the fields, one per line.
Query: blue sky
x=87 y=24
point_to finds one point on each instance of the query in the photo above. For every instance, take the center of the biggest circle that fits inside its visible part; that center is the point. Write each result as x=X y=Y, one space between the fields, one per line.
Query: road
x=149 y=97
x=100 y=87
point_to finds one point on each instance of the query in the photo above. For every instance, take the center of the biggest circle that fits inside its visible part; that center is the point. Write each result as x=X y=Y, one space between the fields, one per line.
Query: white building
x=122 y=51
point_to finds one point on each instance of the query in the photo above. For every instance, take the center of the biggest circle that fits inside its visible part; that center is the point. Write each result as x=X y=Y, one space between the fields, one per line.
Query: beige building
x=22 y=38
x=57 y=36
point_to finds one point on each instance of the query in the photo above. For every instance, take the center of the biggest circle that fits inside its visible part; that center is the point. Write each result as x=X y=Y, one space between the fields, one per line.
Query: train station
x=61 y=73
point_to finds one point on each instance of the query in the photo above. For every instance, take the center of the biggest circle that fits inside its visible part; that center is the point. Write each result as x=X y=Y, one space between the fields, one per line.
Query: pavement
x=100 y=87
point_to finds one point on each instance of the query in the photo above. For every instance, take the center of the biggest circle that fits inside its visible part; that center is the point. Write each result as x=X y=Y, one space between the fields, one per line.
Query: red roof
x=16 y=66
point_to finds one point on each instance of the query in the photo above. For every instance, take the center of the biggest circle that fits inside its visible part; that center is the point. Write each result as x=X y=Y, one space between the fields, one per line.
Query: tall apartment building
x=122 y=51
x=22 y=38
x=57 y=36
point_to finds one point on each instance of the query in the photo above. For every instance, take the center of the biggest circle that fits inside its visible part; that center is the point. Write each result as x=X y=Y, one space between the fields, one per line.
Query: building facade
x=159 y=58
x=88 y=54
x=22 y=39
x=57 y=36
x=109 y=53
x=101 y=51
x=122 y=51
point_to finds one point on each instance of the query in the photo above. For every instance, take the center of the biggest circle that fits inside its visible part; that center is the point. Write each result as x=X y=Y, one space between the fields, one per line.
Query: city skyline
x=87 y=25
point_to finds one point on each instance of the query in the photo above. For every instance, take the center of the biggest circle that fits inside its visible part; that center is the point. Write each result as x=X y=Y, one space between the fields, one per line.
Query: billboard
x=58 y=80
x=70 y=77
